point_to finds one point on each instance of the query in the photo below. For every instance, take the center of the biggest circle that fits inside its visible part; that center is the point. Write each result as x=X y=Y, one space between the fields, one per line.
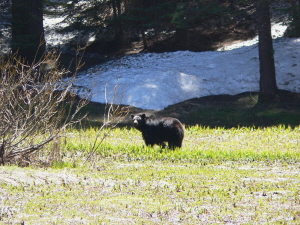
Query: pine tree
x=268 y=86
x=27 y=29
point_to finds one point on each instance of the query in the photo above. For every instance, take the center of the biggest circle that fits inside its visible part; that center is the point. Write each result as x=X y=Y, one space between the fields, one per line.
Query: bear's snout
x=135 y=122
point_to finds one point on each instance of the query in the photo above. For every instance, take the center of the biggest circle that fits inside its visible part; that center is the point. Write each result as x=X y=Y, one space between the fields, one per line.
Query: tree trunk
x=268 y=86
x=27 y=29
x=181 y=37
x=144 y=38
x=2 y=153
x=116 y=6
x=295 y=7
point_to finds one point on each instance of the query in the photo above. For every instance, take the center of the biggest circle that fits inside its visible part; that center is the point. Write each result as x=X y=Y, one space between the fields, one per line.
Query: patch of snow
x=157 y=80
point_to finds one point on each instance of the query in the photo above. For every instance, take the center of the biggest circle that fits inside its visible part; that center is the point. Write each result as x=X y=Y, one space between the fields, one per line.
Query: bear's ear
x=143 y=116
x=132 y=116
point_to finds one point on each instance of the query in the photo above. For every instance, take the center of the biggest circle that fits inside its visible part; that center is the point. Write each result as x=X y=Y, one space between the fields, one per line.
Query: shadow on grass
x=228 y=111
x=243 y=110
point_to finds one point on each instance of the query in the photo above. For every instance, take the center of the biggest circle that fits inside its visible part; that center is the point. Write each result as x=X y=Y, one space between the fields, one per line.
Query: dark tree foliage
x=268 y=86
x=294 y=11
x=124 y=18
x=189 y=14
x=27 y=29
x=178 y=15
x=147 y=14
x=102 y=18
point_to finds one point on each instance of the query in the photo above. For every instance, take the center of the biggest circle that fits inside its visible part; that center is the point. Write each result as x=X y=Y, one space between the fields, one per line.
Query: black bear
x=159 y=130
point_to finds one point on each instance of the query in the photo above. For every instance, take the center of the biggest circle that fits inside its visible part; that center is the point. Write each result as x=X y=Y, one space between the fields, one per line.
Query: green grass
x=242 y=175
x=201 y=144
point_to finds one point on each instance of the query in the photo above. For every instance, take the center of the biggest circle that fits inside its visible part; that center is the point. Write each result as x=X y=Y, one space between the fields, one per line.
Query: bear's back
x=163 y=126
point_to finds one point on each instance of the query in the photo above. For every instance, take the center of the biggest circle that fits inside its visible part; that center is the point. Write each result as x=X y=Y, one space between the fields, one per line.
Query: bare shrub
x=36 y=105
x=113 y=115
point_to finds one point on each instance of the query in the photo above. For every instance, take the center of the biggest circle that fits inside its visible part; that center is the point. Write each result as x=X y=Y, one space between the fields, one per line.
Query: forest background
x=114 y=28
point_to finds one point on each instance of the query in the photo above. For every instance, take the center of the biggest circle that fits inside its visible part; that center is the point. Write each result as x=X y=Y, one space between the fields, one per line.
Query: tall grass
x=201 y=144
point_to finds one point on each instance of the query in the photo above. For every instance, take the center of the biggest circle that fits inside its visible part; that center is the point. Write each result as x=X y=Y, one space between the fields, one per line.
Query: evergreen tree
x=267 y=84
x=27 y=29
x=145 y=14
x=294 y=11
x=188 y=14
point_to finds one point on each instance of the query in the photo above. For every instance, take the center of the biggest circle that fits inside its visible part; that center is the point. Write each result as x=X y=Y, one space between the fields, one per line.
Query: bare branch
x=36 y=104
x=113 y=115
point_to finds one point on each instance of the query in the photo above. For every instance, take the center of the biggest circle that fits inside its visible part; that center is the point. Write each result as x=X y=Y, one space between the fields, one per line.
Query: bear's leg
x=163 y=145
x=149 y=143
x=175 y=144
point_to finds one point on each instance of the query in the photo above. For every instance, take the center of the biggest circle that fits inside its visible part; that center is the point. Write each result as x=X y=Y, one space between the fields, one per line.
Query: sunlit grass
x=237 y=176
x=200 y=144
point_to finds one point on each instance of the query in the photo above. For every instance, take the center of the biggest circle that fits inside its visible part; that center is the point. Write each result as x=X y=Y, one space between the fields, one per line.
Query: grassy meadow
x=221 y=176
x=240 y=164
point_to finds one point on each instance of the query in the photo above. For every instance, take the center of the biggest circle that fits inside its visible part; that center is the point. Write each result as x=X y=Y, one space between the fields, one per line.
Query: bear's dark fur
x=159 y=130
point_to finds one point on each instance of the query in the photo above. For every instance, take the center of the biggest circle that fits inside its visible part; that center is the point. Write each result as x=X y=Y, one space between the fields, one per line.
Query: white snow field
x=157 y=80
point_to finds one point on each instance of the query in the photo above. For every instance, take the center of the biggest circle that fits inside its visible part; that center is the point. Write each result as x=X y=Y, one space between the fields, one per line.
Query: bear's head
x=138 y=120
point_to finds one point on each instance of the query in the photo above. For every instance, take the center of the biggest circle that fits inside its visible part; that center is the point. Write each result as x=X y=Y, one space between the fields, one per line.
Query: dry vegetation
x=36 y=105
